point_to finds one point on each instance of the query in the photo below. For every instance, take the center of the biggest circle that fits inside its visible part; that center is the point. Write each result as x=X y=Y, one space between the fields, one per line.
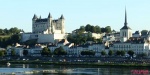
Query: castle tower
x=49 y=23
x=125 y=31
x=62 y=19
x=33 y=22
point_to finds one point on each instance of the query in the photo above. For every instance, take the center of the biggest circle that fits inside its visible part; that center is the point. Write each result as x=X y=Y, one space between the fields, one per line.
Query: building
x=125 y=31
x=128 y=42
x=48 y=25
x=46 y=30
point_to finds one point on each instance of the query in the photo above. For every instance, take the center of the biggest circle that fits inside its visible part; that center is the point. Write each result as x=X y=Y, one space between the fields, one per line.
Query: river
x=24 y=69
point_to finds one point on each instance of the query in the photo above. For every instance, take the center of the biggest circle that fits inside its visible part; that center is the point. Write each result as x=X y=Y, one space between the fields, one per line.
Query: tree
x=46 y=51
x=110 y=53
x=25 y=52
x=98 y=29
x=122 y=53
x=13 y=52
x=15 y=38
x=142 y=55
x=103 y=53
x=88 y=52
x=144 y=32
x=93 y=29
x=14 y=30
x=31 y=42
x=108 y=29
x=118 y=53
x=2 y=53
x=88 y=27
x=60 y=51
x=130 y=52
x=103 y=30
x=81 y=29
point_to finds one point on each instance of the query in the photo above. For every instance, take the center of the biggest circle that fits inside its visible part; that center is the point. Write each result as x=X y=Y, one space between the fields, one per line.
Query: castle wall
x=53 y=26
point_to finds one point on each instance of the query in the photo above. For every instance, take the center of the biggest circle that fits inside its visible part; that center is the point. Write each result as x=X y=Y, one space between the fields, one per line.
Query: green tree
x=14 y=30
x=88 y=52
x=108 y=29
x=142 y=55
x=46 y=51
x=110 y=53
x=130 y=52
x=15 y=38
x=98 y=29
x=93 y=29
x=2 y=53
x=103 y=53
x=122 y=53
x=118 y=52
x=13 y=52
x=82 y=29
x=25 y=52
x=88 y=27
x=103 y=30
x=60 y=51
x=31 y=42
x=144 y=32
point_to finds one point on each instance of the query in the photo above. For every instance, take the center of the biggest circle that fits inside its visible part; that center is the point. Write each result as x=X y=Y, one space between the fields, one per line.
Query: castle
x=46 y=30
x=48 y=25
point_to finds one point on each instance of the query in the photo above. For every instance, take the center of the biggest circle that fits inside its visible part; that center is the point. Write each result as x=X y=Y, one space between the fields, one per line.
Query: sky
x=19 y=13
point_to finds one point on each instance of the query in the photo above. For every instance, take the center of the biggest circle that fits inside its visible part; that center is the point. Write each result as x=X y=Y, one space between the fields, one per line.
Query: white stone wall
x=53 y=26
x=46 y=38
x=125 y=33
x=25 y=36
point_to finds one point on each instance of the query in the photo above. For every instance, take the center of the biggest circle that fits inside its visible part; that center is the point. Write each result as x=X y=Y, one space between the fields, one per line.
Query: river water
x=20 y=69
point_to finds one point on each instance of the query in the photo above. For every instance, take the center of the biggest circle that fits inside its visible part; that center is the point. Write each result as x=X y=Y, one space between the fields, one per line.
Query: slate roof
x=125 y=27
x=41 y=20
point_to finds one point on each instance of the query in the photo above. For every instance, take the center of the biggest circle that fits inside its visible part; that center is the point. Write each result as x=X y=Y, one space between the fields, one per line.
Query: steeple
x=34 y=17
x=62 y=17
x=125 y=23
x=49 y=15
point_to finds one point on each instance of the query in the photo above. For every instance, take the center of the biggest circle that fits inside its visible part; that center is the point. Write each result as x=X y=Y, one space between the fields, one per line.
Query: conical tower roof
x=62 y=17
x=49 y=15
x=34 y=17
x=125 y=23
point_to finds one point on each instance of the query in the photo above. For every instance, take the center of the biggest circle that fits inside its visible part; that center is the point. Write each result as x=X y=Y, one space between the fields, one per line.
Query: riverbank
x=92 y=64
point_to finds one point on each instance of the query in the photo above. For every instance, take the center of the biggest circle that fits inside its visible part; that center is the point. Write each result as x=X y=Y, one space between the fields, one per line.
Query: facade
x=125 y=31
x=128 y=42
x=48 y=25
x=46 y=30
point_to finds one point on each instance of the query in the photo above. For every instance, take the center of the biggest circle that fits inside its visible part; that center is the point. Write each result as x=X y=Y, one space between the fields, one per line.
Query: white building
x=125 y=31
x=136 y=43
x=46 y=30
x=48 y=25
x=18 y=50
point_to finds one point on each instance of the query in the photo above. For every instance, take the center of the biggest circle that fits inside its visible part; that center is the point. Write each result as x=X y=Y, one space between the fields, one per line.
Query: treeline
x=10 y=31
x=9 y=36
x=94 y=29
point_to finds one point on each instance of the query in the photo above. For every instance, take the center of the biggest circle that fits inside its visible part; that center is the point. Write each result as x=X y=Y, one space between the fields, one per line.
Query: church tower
x=125 y=31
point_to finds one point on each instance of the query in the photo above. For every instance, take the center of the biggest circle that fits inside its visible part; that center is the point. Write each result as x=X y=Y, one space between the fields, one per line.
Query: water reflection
x=70 y=70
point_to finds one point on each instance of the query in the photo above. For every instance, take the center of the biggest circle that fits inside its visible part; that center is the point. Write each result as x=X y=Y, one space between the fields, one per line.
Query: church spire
x=125 y=23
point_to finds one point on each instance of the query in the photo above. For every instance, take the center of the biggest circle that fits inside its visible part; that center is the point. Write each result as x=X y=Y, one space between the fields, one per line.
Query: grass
x=4 y=36
x=93 y=64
